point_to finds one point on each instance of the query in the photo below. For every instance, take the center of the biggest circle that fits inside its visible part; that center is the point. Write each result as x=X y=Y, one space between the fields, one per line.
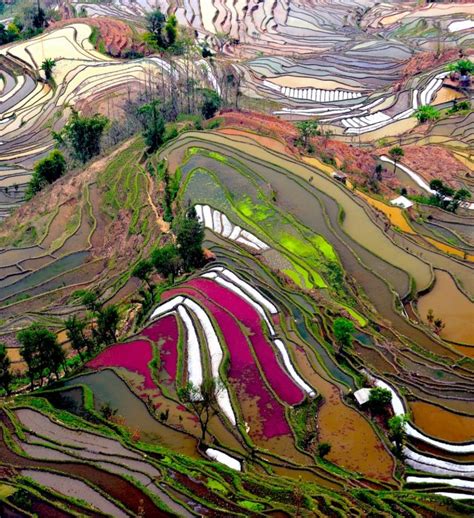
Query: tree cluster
x=462 y=66
x=446 y=197
x=41 y=352
x=174 y=258
x=154 y=115
x=427 y=113
x=29 y=22
x=397 y=433
x=171 y=259
x=162 y=31
x=103 y=320
x=189 y=233
x=97 y=329
x=171 y=187
x=44 y=356
x=396 y=153
x=210 y=102
x=307 y=130
x=153 y=125
x=379 y=399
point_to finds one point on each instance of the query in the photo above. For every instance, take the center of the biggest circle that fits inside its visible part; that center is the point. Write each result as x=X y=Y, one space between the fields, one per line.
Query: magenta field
x=132 y=356
x=164 y=332
x=281 y=383
x=243 y=370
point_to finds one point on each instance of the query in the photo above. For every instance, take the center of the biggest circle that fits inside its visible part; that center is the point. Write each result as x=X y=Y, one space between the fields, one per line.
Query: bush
x=46 y=171
x=211 y=102
x=459 y=107
x=22 y=499
x=214 y=124
x=396 y=153
x=426 y=112
x=170 y=133
x=323 y=449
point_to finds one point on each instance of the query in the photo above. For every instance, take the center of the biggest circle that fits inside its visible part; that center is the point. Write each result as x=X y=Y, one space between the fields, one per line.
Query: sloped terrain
x=259 y=318
x=296 y=240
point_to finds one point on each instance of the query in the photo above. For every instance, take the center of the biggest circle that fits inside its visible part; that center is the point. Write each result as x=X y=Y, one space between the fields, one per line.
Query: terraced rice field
x=68 y=246
x=257 y=318
x=289 y=249
x=330 y=60
x=31 y=108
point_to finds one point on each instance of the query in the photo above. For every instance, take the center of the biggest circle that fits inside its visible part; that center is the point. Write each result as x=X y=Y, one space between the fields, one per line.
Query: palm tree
x=47 y=67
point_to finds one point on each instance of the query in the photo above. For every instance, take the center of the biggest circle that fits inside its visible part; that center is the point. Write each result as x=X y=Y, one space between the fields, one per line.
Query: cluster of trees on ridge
x=183 y=254
x=446 y=197
x=29 y=22
x=82 y=136
x=44 y=355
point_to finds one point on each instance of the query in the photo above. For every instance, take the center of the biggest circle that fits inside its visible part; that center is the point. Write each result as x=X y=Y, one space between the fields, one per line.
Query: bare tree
x=203 y=400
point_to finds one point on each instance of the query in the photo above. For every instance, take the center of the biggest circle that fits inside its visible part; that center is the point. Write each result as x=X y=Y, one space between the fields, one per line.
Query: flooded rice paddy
x=452 y=306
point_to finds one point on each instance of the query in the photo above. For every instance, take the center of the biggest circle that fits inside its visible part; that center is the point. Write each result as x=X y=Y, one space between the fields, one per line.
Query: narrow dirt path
x=162 y=224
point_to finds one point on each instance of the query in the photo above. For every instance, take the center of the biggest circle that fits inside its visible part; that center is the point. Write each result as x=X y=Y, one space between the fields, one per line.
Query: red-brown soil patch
x=116 y=36
x=433 y=162
x=354 y=161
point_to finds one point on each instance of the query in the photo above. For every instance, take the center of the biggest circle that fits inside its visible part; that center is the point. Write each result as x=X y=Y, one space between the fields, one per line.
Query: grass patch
x=94 y=36
x=6 y=490
x=251 y=506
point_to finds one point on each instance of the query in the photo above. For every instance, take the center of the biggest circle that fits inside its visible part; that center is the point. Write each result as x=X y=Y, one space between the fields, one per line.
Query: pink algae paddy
x=133 y=356
x=165 y=333
x=243 y=370
x=278 y=379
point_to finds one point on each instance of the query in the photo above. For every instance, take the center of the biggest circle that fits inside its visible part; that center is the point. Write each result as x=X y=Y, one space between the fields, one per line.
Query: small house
x=340 y=177
x=362 y=396
x=402 y=202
